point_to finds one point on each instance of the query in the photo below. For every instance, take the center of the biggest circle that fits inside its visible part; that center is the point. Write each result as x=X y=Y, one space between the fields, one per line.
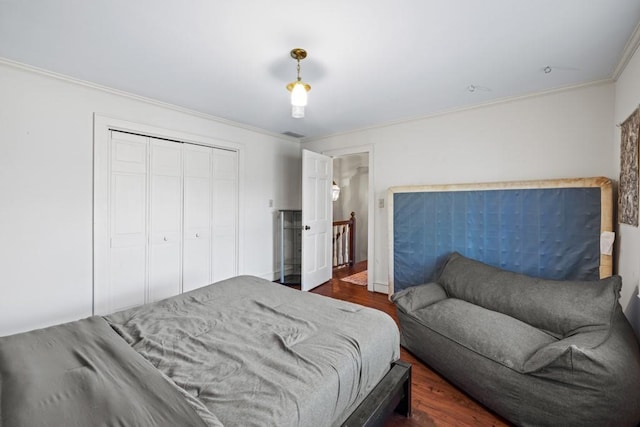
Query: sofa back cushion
x=561 y=308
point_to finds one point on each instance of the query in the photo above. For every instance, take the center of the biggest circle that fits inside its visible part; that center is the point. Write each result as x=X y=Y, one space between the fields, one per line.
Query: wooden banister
x=344 y=242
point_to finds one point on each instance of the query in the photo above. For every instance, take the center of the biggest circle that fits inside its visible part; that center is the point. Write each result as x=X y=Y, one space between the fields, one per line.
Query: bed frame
x=552 y=229
x=393 y=393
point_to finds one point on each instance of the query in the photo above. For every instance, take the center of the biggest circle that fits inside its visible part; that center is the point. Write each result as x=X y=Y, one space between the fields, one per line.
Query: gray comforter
x=241 y=352
x=259 y=354
x=83 y=374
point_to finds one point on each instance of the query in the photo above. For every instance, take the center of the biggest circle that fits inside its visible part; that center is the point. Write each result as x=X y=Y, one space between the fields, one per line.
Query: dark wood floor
x=435 y=402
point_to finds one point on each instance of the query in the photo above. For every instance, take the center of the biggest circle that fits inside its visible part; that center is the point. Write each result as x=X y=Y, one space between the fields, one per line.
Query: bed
x=243 y=351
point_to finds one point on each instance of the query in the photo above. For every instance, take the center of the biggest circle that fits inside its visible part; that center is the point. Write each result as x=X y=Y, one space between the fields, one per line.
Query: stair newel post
x=352 y=240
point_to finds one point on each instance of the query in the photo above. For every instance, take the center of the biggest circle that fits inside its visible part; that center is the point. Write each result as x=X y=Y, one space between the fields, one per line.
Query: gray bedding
x=259 y=354
x=83 y=374
x=242 y=352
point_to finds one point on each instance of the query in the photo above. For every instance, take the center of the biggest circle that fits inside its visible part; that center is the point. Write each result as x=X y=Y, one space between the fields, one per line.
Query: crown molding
x=150 y=101
x=627 y=53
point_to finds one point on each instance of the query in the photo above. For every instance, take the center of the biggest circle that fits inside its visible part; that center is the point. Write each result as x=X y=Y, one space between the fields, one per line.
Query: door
x=317 y=214
x=165 y=219
x=197 y=217
x=225 y=214
x=155 y=220
x=127 y=277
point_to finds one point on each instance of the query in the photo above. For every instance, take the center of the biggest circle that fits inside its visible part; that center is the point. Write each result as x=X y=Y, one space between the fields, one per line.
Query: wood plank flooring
x=435 y=402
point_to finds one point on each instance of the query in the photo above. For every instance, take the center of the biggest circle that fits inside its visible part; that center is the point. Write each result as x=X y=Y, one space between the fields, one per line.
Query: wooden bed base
x=393 y=393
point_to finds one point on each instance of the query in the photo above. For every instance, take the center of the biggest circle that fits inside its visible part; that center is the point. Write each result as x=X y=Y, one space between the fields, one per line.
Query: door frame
x=369 y=149
x=102 y=126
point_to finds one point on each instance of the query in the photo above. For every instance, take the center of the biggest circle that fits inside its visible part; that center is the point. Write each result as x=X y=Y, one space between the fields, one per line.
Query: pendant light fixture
x=298 y=88
x=335 y=191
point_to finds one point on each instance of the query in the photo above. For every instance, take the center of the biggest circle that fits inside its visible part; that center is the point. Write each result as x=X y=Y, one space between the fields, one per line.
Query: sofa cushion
x=494 y=335
x=420 y=296
x=562 y=308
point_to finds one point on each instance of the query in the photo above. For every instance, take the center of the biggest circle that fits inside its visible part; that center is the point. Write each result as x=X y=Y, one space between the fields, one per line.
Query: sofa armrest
x=417 y=297
x=606 y=358
x=559 y=354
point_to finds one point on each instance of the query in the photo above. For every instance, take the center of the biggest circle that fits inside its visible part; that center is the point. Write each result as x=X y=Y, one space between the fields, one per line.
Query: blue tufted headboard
x=550 y=229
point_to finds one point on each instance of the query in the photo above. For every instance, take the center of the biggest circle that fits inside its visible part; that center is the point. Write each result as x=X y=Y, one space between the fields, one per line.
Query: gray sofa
x=537 y=352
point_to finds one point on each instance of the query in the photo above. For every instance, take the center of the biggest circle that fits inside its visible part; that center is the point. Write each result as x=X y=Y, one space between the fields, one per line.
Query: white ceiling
x=369 y=62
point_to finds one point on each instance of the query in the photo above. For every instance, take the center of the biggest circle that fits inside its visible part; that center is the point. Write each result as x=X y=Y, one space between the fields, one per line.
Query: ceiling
x=370 y=62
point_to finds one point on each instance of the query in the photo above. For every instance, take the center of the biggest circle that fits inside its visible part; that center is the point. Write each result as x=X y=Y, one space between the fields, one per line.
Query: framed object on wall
x=628 y=191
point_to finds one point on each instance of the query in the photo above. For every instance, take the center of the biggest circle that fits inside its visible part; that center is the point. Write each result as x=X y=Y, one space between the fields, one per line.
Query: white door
x=126 y=284
x=317 y=218
x=225 y=214
x=165 y=219
x=154 y=218
x=197 y=217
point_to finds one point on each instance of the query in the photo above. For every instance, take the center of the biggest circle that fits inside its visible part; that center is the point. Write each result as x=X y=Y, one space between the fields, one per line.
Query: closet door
x=165 y=219
x=197 y=217
x=225 y=214
x=127 y=222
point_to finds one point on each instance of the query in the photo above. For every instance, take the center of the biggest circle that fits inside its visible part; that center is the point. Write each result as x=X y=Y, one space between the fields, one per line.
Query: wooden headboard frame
x=606 y=204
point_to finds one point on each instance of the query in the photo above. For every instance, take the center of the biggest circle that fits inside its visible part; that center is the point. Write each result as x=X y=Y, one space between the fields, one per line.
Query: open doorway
x=351 y=218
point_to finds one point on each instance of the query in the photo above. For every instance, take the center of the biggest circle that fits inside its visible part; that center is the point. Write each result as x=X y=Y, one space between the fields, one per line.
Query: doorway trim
x=369 y=149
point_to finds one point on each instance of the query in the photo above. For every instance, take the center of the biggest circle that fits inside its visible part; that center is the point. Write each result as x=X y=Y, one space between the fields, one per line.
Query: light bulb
x=299 y=95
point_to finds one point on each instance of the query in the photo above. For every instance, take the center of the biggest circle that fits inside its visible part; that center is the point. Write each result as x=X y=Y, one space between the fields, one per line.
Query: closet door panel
x=225 y=214
x=128 y=221
x=197 y=217
x=128 y=278
x=165 y=220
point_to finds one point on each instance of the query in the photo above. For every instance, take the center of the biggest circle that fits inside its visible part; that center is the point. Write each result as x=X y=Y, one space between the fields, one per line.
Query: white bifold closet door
x=165 y=219
x=210 y=215
x=126 y=284
x=225 y=214
x=172 y=220
x=197 y=217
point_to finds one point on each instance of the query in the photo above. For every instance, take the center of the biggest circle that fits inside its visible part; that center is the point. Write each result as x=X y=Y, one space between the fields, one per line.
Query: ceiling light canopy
x=298 y=88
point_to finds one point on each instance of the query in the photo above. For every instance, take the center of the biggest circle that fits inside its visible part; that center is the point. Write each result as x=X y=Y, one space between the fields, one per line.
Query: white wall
x=46 y=190
x=556 y=135
x=627 y=99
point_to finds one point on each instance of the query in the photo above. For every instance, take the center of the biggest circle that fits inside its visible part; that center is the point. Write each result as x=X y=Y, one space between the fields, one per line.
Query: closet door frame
x=102 y=127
